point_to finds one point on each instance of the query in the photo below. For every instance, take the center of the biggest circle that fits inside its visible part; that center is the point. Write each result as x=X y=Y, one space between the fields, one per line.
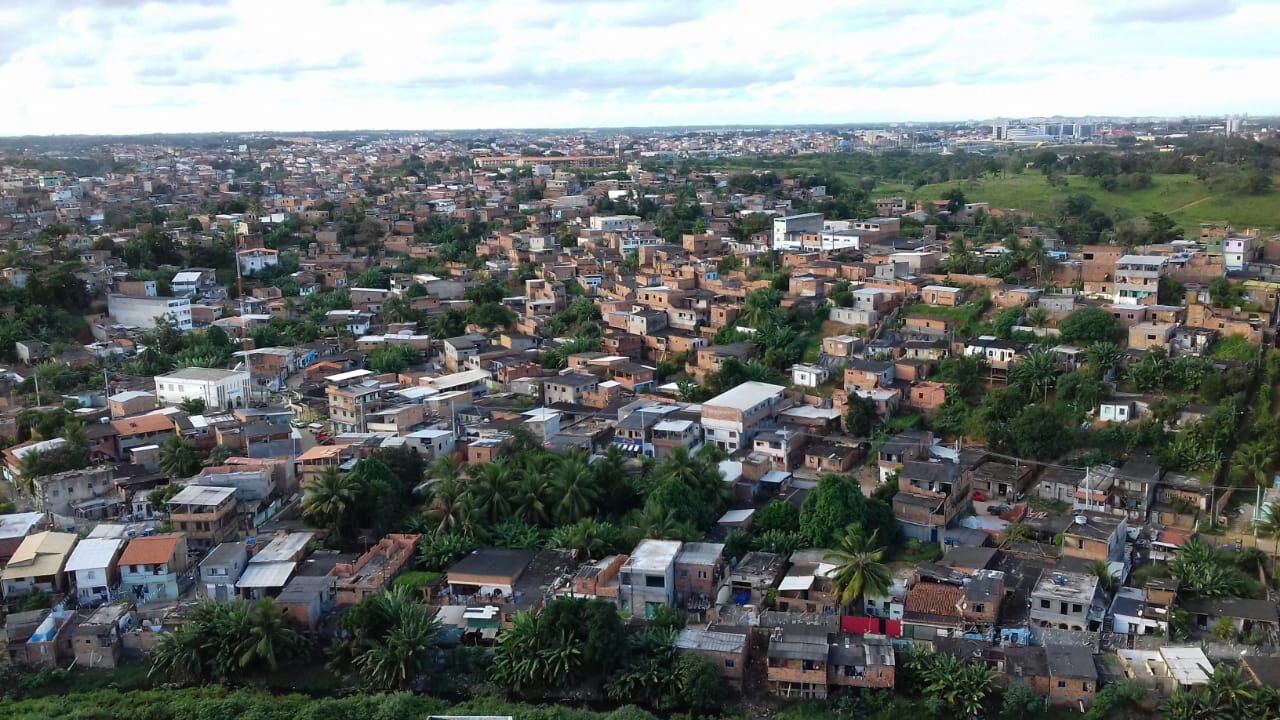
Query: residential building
x=373 y=570
x=647 y=578
x=699 y=569
x=92 y=568
x=151 y=568
x=254 y=260
x=219 y=571
x=796 y=661
x=727 y=651
x=38 y=565
x=142 y=312
x=98 y=639
x=862 y=661
x=732 y=418
x=1073 y=677
x=219 y=389
x=206 y=514
x=1065 y=600
x=1137 y=278
x=569 y=388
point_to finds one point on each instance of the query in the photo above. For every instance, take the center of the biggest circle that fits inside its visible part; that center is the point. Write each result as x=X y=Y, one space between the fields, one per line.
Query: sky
x=136 y=66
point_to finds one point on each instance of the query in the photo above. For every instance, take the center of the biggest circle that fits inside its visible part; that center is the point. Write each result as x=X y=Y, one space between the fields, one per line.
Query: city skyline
x=124 y=67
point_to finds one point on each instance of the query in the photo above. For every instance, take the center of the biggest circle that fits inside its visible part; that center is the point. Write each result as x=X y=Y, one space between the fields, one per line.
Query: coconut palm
x=1036 y=372
x=574 y=488
x=592 y=539
x=403 y=654
x=179 y=457
x=328 y=500
x=268 y=637
x=178 y=656
x=1037 y=317
x=489 y=491
x=1106 y=581
x=528 y=500
x=655 y=522
x=448 y=506
x=860 y=569
x=1269 y=527
x=1255 y=461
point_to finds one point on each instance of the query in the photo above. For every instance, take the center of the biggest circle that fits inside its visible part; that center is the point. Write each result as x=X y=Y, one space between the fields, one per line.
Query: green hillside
x=1181 y=197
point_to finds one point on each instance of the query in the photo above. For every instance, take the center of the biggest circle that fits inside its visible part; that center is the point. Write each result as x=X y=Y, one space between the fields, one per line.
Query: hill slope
x=1181 y=197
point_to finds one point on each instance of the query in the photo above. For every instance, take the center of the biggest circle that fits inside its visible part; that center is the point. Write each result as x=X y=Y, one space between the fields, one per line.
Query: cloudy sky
x=124 y=66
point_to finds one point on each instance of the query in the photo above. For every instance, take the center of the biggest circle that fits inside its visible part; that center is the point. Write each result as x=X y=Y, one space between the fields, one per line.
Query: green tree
x=179 y=458
x=328 y=501
x=192 y=406
x=777 y=515
x=861 y=417
x=1090 y=325
x=860 y=570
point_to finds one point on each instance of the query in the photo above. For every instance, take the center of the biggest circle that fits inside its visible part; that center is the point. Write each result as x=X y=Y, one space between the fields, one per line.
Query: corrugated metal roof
x=266 y=575
x=93 y=554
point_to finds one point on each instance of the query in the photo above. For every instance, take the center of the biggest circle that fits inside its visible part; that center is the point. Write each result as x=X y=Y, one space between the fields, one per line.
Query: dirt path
x=1191 y=204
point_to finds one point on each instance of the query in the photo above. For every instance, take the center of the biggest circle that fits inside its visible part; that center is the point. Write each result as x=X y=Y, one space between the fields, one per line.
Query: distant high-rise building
x=1233 y=124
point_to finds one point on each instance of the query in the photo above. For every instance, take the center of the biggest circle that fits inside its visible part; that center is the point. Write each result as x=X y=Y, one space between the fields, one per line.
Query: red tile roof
x=153 y=550
x=929 y=598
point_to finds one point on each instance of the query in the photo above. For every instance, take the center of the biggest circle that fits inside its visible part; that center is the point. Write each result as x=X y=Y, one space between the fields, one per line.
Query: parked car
x=980 y=497
x=998 y=509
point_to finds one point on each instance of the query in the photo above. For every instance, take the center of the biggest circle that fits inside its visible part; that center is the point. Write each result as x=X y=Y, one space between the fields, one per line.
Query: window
x=1044 y=604
x=654 y=581
x=979 y=607
x=729 y=663
x=1076 y=607
x=1062 y=684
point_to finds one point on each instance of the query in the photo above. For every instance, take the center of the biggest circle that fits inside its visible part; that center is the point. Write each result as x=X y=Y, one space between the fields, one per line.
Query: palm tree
x=489 y=491
x=1103 y=356
x=1269 y=527
x=403 y=654
x=268 y=636
x=1037 y=317
x=1036 y=372
x=860 y=569
x=1255 y=461
x=574 y=488
x=178 y=657
x=179 y=457
x=963 y=687
x=448 y=506
x=528 y=500
x=329 y=499
x=655 y=522
x=590 y=538
x=1106 y=581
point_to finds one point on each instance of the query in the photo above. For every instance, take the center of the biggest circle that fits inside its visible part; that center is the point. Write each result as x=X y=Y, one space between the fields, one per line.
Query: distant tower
x=1233 y=124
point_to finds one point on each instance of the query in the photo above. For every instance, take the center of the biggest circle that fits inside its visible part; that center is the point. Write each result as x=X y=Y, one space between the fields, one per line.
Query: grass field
x=1181 y=197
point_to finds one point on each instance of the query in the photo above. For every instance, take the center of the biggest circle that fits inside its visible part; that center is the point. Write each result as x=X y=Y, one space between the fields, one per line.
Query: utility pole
x=244 y=326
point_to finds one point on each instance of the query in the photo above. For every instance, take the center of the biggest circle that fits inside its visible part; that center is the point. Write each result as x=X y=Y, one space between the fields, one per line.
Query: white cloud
x=124 y=66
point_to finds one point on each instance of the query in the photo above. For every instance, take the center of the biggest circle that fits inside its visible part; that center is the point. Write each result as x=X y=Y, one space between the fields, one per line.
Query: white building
x=218 y=388
x=733 y=417
x=91 y=567
x=808 y=375
x=142 y=311
x=787 y=230
x=255 y=259
x=615 y=223
x=1138 y=278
